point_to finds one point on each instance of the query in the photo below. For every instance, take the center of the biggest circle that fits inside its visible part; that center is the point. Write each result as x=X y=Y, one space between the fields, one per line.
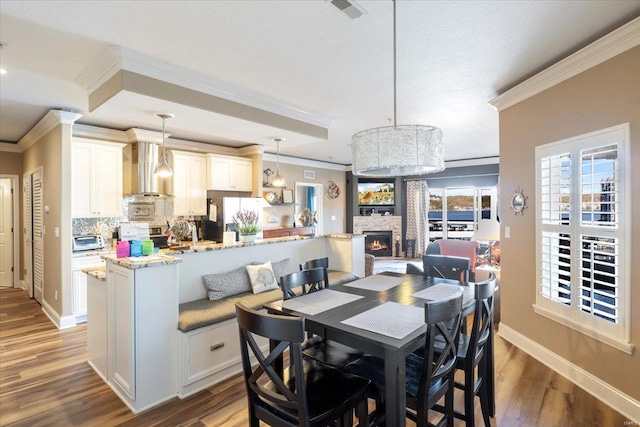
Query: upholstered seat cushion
x=327 y=388
x=200 y=313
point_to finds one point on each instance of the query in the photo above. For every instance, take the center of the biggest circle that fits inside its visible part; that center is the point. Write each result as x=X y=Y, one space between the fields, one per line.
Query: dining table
x=383 y=315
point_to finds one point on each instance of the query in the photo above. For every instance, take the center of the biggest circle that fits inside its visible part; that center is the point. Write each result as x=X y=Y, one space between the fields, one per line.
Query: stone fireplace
x=377 y=223
x=378 y=243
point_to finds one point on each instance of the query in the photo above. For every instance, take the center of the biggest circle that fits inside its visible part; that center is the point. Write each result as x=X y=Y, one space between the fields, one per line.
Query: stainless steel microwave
x=87 y=242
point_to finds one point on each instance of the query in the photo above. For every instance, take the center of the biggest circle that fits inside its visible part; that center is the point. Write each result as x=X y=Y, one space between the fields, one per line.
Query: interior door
x=6 y=233
x=38 y=235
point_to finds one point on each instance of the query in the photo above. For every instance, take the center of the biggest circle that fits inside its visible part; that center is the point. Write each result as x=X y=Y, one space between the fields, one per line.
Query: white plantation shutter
x=581 y=224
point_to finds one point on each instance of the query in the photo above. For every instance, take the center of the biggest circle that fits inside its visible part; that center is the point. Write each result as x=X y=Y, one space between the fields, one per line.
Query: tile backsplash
x=102 y=226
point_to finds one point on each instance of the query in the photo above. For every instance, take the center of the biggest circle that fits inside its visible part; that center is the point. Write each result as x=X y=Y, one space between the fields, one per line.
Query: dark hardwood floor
x=45 y=380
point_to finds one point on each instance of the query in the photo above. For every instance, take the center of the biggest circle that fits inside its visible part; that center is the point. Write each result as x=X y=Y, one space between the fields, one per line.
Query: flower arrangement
x=246 y=222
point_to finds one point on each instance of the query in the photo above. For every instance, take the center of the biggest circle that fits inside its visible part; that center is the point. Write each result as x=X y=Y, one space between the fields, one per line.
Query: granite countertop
x=99 y=273
x=204 y=247
x=142 y=261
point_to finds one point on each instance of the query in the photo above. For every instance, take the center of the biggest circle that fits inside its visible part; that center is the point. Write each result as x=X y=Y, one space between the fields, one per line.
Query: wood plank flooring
x=45 y=380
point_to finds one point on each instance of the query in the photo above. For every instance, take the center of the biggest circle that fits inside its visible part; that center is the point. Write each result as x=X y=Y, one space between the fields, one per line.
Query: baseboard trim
x=60 y=322
x=621 y=402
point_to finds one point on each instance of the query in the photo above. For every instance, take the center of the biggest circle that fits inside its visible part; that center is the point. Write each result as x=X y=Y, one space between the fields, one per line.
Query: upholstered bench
x=208 y=344
x=200 y=313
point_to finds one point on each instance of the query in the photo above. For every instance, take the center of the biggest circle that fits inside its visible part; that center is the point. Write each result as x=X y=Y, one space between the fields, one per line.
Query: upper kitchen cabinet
x=189 y=184
x=230 y=173
x=96 y=176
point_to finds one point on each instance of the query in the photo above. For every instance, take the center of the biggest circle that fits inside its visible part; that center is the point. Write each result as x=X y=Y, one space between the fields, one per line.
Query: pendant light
x=278 y=179
x=163 y=168
x=397 y=150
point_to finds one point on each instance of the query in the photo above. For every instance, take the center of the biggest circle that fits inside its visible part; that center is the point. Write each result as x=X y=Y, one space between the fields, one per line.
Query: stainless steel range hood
x=144 y=183
x=143 y=195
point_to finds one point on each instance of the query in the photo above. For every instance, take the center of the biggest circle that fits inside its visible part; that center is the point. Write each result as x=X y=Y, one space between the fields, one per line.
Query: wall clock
x=518 y=202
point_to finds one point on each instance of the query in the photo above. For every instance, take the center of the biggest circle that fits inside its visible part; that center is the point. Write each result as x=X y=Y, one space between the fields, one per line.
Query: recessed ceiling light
x=3 y=71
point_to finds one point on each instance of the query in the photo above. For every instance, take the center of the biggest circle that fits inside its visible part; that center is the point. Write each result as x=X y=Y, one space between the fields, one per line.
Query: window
x=464 y=208
x=583 y=228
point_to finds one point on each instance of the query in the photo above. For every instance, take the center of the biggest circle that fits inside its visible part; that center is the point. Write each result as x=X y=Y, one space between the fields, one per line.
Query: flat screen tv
x=375 y=193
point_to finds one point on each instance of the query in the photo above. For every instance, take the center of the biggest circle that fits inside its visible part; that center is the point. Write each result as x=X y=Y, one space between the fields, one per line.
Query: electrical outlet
x=333 y=217
x=55 y=295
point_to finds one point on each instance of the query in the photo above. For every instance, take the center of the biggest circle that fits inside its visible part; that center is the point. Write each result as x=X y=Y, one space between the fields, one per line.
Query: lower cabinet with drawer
x=209 y=355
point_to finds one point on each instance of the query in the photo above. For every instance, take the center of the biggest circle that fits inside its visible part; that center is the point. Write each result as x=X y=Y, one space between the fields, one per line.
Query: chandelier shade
x=397 y=150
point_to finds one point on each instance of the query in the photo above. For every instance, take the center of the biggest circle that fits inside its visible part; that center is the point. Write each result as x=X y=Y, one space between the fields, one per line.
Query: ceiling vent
x=349 y=8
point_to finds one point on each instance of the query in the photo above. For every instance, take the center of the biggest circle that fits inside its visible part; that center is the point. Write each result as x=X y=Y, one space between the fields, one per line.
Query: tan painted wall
x=53 y=152
x=335 y=207
x=603 y=96
x=11 y=164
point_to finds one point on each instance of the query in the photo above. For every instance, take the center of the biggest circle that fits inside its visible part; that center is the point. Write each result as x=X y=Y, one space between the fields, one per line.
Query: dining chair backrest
x=482 y=318
x=446 y=267
x=288 y=331
x=307 y=281
x=314 y=263
x=443 y=319
x=303 y=394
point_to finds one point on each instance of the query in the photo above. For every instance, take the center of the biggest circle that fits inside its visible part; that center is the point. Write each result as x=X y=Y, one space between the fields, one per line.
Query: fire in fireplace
x=378 y=243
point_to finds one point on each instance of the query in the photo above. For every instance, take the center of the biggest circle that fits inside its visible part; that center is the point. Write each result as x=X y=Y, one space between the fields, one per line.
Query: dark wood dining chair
x=334 y=277
x=446 y=267
x=307 y=393
x=304 y=281
x=429 y=377
x=317 y=348
x=472 y=354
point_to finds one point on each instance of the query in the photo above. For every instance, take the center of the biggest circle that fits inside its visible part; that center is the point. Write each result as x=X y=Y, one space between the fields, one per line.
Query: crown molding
x=94 y=132
x=200 y=147
x=52 y=119
x=151 y=136
x=115 y=58
x=493 y=160
x=305 y=162
x=251 y=150
x=106 y=65
x=9 y=147
x=603 y=49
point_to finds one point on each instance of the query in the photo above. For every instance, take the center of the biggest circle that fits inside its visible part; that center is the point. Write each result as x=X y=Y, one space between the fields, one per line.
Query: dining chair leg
x=448 y=400
x=362 y=412
x=469 y=397
x=483 y=393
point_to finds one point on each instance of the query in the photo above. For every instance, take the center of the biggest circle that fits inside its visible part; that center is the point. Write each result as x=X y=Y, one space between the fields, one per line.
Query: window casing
x=583 y=234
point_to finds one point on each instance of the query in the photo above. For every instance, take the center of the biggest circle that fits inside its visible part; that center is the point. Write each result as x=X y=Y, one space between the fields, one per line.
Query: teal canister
x=147 y=247
x=136 y=248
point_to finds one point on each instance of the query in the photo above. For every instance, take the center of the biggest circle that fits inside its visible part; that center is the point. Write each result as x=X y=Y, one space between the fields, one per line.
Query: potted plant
x=247 y=223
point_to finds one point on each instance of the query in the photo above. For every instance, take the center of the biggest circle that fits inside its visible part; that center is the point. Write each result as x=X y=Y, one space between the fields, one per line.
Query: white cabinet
x=189 y=185
x=96 y=179
x=79 y=284
x=142 y=314
x=97 y=325
x=230 y=173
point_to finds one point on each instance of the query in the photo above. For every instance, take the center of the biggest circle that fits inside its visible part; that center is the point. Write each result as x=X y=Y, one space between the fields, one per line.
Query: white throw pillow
x=262 y=277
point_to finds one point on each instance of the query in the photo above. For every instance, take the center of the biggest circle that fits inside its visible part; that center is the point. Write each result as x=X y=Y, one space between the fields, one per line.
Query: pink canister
x=122 y=249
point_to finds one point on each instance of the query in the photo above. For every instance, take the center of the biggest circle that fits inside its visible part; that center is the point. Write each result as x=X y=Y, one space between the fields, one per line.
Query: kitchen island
x=148 y=359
